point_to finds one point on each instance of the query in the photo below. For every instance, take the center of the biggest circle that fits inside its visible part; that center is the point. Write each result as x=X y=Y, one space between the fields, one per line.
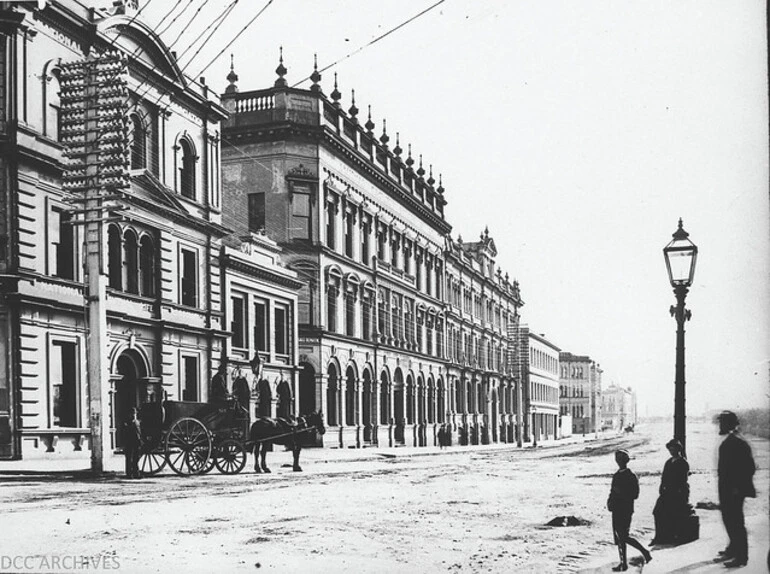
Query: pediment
x=143 y=45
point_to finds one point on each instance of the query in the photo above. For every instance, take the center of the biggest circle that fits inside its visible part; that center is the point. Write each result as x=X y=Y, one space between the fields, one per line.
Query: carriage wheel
x=188 y=446
x=231 y=457
x=151 y=463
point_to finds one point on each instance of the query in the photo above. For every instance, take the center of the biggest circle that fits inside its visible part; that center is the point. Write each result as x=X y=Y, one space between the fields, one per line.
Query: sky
x=578 y=133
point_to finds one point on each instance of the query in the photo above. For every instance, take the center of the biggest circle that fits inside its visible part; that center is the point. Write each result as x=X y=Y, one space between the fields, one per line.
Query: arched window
x=138 y=143
x=51 y=102
x=115 y=258
x=186 y=167
x=131 y=261
x=332 y=390
x=147 y=267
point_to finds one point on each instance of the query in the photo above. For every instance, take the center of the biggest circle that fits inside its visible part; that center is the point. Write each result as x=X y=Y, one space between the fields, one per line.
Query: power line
x=194 y=16
x=218 y=21
x=174 y=20
x=375 y=40
x=230 y=43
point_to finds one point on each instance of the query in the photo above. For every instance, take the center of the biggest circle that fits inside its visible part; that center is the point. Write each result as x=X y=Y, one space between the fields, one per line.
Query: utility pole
x=94 y=100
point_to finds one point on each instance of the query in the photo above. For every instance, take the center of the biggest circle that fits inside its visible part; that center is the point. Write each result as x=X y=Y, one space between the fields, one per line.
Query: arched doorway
x=307 y=401
x=440 y=402
x=283 y=408
x=494 y=422
x=332 y=393
x=264 y=399
x=421 y=411
x=366 y=415
x=350 y=397
x=398 y=406
x=130 y=369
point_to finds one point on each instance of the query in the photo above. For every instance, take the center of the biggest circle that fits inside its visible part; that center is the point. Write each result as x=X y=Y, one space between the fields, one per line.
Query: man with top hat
x=736 y=471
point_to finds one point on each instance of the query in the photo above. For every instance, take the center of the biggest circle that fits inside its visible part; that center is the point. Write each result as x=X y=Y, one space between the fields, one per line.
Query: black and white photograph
x=384 y=287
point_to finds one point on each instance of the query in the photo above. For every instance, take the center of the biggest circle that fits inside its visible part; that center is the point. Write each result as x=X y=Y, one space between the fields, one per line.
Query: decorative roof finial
x=486 y=231
x=409 y=160
x=440 y=187
x=431 y=181
x=384 y=138
x=353 y=111
x=397 y=150
x=335 y=95
x=369 y=125
x=281 y=71
x=420 y=170
x=232 y=77
x=315 y=76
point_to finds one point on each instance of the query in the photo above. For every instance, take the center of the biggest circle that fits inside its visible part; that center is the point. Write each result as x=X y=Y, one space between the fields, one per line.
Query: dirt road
x=457 y=512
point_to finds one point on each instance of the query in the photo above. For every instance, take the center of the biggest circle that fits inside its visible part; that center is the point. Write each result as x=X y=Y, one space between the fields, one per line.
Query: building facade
x=580 y=385
x=170 y=279
x=540 y=386
x=618 y=407
x=364 y=229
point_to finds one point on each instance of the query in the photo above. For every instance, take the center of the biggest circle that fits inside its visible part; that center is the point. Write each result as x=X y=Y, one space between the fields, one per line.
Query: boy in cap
x=624 y=490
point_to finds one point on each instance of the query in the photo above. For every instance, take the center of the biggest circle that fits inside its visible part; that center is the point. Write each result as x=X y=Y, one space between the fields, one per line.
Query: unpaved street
x=454 y=512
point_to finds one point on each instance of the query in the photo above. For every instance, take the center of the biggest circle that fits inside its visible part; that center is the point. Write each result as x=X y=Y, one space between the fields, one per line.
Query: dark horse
x=292 y=433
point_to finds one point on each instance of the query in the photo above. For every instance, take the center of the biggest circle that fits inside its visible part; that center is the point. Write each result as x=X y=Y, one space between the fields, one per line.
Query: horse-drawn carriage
x=193 y=438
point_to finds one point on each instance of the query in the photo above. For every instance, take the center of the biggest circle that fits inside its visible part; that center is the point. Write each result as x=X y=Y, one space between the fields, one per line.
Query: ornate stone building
x=580 y=382
x=362 y=224
x=618 y=407
x=162 y=256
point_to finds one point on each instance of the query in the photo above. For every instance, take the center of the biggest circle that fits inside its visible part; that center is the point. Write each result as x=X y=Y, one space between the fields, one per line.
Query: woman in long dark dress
x=673 y=502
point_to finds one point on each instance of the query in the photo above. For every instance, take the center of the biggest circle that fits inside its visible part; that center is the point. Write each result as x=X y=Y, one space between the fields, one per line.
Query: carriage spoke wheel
x=151 y=463
x=188 y=446
x=231 y=457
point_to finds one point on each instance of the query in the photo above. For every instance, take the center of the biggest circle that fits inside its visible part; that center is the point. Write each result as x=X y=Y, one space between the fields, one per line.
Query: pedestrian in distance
x=219 y=384
x=132 y=443
x=736 y=482
x=624 y=490
x=442 y=436
x=672 y=505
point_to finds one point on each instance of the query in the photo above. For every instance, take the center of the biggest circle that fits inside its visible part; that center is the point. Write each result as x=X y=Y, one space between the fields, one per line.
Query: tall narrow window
x=331 y=216
x=186 y=169
x=256 y=207
x=131 y=261
x=115 y=258
x=300 y=213
x=189 y=291
x=64 y=395
x=365 y=231
x=366 y=318
x=138 y=143
x=382 y=240
x=147 y=266
x=281 y=331
x=261 y=326
x=331 y=307
x=190 y=378
x=350 y=314
x=63 y=244
x=350 y=222
x=238 y=322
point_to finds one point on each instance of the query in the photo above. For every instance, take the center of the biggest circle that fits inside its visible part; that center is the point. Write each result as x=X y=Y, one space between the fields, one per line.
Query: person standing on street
x=624 y=490
x=673 y=502
x=132 y=444
x=736 y=471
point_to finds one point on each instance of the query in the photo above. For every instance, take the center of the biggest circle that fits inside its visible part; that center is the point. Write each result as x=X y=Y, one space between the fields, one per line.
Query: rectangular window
x=350 y=222
x=281 y=331
x=190 y=379
x=189 y=294
x=62 y=239
x=64 y=382
x=366 y=319
x=300 y=213
x=238 y=323
x=381 y=242
x=261 y=326
x=365 y=231
x=256 y=208
x=331 y=308
x=330 y=227
x=350 y=315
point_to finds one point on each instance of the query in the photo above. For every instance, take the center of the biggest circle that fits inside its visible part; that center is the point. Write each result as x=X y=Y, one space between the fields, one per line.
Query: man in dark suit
x=132 y=444
x=736 y=471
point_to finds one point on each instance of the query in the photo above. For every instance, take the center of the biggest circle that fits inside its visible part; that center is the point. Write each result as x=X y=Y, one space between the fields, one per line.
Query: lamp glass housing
x=680 y=255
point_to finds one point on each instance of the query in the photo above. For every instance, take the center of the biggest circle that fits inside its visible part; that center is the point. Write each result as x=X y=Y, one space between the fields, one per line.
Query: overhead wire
x=168 y=26
x=375 y=40
x=217 y=21
x=187 y=26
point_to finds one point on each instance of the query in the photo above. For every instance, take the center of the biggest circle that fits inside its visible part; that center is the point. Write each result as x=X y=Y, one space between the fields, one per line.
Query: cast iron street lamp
x=680 y=256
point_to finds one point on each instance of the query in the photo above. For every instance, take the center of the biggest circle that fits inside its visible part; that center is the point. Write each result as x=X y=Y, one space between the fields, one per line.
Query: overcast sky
x=579 y=132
